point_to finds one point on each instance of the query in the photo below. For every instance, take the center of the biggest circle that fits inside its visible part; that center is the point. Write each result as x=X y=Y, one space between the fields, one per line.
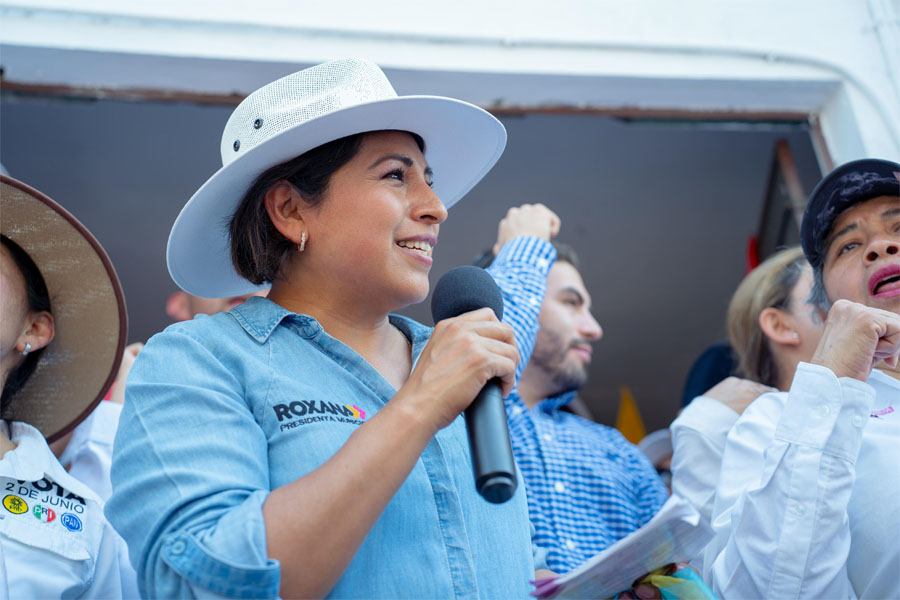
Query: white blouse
x=698 y=443
x=808 y=499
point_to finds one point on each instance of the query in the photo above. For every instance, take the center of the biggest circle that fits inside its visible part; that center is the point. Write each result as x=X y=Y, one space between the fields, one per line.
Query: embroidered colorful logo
x=317 y=411
x=70 y=521
x=877 y=414
x=357 y=411
x=15 y=505
x=43 y=513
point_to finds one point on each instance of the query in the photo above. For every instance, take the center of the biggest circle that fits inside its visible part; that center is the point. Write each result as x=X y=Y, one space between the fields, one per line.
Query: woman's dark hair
x=38 y=300
x=258 y=249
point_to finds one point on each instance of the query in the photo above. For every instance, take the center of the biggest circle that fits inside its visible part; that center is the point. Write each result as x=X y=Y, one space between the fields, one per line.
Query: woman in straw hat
x=309 y=444
x=63 y=333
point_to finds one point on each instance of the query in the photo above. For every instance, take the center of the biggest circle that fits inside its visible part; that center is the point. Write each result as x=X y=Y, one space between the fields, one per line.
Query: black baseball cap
x=844 y=187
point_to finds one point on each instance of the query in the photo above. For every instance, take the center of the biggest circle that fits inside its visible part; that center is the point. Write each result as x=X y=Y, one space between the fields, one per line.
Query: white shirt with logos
x=808 y=500
x=54 y=540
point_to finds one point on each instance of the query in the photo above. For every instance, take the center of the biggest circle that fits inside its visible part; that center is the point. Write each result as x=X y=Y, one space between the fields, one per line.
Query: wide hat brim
x=81 y=362
x=846 y=186
x=462 y=143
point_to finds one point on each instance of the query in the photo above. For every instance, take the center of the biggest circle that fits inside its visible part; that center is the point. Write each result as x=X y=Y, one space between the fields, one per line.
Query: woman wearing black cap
x=808 y=501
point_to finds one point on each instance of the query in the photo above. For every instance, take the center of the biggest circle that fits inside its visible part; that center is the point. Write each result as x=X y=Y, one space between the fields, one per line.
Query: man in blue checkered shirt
x=587 y=486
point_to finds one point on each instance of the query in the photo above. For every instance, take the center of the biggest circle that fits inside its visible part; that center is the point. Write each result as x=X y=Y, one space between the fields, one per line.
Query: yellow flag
x=629 y=421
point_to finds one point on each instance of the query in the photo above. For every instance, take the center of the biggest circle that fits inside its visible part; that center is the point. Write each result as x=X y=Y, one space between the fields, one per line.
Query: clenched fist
x=856 y=337
x=528 y=219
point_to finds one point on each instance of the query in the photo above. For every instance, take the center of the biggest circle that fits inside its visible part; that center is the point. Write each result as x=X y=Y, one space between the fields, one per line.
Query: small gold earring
x=302 y=245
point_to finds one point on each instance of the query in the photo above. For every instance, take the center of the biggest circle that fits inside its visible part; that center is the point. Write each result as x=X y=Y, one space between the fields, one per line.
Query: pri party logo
x=43 y=513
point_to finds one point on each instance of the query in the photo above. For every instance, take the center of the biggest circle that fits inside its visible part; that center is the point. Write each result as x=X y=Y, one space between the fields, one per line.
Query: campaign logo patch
x=70 y=522
x=14 y=504
x=43 y=514
x=304 y=412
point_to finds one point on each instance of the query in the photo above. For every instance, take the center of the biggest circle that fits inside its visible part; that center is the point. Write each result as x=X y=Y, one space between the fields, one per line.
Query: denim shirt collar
x=260 y=317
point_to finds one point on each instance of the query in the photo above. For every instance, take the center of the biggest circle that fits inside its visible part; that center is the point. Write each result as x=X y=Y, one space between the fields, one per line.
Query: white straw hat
x=302 y=111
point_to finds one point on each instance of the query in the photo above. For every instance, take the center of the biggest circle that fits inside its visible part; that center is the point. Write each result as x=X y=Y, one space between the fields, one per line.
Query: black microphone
x=459 y=291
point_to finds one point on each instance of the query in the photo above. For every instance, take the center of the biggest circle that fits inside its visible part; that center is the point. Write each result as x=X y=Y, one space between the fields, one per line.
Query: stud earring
x=27 y=349
x=302 y=245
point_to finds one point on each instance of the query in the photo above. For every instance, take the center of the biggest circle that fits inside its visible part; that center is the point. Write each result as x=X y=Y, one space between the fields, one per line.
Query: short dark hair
x=258 y=249
x=38 y=300
x=564 y=253
x=817 y=295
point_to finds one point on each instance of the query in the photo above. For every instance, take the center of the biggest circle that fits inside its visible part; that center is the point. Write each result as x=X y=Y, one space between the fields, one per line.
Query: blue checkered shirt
x=587 y=486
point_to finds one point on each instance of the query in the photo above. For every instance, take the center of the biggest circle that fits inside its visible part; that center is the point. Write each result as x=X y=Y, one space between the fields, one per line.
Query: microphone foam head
x=463 y=290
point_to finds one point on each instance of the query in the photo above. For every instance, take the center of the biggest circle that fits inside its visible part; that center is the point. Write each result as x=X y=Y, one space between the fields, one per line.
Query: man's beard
x=550 y=353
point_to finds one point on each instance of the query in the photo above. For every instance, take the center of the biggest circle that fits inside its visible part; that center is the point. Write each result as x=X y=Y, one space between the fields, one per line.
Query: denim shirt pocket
x=191 y=560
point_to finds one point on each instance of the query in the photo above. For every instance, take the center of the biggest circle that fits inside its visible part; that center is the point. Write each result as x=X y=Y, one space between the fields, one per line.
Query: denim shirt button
x=177 y=547
x=309 y=329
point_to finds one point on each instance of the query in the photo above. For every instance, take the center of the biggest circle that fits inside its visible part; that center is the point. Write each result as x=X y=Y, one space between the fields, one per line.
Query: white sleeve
x=698 y=442
x=780 y=512
x=89 y=454
x=127 y=574
x=107 y=575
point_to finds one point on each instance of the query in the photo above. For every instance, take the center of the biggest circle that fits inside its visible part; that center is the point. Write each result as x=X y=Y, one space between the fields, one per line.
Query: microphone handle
x=492 y=455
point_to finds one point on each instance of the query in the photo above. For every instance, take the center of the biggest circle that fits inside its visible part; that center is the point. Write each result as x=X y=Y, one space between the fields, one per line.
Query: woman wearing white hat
x=62 y=334
x=308 y=443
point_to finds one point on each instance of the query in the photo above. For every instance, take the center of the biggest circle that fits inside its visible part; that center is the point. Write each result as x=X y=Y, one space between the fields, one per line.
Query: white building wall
x=839 y=59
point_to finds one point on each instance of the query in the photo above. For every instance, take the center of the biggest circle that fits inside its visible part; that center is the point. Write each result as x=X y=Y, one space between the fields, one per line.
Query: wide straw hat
x=302 y=111
x=80 y=363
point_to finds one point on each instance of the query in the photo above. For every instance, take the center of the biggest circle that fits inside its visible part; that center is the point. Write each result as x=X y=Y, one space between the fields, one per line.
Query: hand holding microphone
x=461 y=291
x=470 y=354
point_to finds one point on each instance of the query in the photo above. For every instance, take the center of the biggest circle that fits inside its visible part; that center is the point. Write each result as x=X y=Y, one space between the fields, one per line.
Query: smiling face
x=862 y=260
x=562 y=351
x=373 y=234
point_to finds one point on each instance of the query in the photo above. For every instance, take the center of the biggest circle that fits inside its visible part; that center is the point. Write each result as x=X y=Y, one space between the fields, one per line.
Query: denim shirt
x=221 y=410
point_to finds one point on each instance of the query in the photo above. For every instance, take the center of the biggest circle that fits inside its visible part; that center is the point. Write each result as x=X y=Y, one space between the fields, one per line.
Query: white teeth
x=416 y=245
